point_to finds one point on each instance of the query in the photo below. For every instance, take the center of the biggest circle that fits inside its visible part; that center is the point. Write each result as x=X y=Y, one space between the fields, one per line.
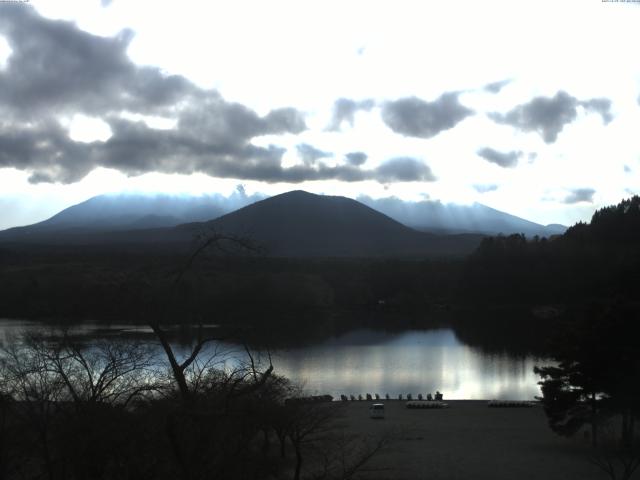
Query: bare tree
x=39 y=394
x=619 y=459
x=114 y=373
x=10 y=438
x=307 y=425
x=70 y=399
x=206 y=242
x=323 y=449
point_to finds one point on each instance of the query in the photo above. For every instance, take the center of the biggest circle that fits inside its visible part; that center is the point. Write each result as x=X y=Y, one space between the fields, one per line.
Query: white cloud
x=88 y=129
x=5 y=52
x=290 y=53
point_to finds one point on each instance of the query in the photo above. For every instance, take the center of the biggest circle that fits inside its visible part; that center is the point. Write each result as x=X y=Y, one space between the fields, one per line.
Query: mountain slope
x=430 y=215
x=106 y=213
x=294 y=224
x=303 y=224
x=291 y=224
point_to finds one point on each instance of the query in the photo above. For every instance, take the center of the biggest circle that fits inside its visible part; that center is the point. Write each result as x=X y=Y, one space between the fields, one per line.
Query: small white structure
x=376 y=410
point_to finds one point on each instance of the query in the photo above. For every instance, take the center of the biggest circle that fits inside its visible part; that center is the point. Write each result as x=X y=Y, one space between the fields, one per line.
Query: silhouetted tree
x=207 y=241
x=597 y=371
x=70 y=401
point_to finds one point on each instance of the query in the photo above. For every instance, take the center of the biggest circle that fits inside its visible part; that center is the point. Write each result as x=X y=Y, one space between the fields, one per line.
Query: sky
x=529 y=107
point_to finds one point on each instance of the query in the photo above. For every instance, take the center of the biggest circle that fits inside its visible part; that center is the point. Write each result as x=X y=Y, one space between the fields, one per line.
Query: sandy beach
x=468 y=440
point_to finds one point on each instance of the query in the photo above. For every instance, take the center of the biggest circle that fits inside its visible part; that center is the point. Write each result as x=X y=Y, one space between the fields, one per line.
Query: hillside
x=293 y=224
x=105 y=213
x=595 y=260
x=435 y=216
x=303 y=224
x=128 y=212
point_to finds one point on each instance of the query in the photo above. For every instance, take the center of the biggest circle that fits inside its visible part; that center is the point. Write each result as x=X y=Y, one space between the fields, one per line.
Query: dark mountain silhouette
x=296 y=224
x=303 y=224
x=292 y=224
x=106 y=213
x=435 y=216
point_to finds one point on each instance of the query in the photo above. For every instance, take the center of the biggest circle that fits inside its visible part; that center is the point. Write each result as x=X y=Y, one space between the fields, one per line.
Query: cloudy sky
x=530 y=107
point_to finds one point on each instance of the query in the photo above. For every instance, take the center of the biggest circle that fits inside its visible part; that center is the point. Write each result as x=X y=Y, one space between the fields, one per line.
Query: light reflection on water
x=366 y=361
x=415 y=361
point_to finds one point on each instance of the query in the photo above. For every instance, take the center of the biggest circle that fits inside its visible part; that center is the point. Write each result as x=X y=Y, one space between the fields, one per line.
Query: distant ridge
x=293 y=224
x=137 y=211
x=296 y=223
x=105 y=213
x=435 y=216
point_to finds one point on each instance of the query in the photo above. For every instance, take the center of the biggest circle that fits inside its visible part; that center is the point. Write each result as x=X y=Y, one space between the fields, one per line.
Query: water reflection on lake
x=367 y=361
x=416 y=361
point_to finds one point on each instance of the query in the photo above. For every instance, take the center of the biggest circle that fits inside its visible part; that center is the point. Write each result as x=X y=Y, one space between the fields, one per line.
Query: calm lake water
x=370 y=361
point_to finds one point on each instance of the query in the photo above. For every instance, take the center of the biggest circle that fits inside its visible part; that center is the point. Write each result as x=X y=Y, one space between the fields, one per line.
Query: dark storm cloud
x=55 y=65
x=233 y=123
x=309 y=154
x=503 y=159
x=414 y=117
x=135 y=148
x=485 y=188
x=57 y=69
x=548 y=115
x=46 y=150
x=344 y=110
x=495 y=87
x=580 y=195
x=404 y=169
x=274 y=172
x=356 y=158
x=213 y=147
x=177 y=152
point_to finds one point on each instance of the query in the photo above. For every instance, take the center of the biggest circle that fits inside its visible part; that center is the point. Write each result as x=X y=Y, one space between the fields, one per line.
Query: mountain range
x=295 y=224
x=435 y=216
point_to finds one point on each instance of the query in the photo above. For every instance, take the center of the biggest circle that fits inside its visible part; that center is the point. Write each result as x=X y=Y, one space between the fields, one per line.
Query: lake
x=368 y=361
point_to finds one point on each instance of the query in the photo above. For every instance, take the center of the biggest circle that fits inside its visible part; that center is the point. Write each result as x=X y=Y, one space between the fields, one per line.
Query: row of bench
x=510 y=404
x=369 y=397
x=425 y=404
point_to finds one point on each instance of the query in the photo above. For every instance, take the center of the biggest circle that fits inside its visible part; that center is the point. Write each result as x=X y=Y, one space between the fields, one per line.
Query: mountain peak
x=300 y=223
x=294 y=223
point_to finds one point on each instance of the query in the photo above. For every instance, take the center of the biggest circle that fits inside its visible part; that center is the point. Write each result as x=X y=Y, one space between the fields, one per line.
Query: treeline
x=218 y=289
x=518 y=291
x=598 y=260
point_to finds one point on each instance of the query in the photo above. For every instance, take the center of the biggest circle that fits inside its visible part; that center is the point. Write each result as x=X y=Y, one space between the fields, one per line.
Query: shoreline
x=451 y=402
